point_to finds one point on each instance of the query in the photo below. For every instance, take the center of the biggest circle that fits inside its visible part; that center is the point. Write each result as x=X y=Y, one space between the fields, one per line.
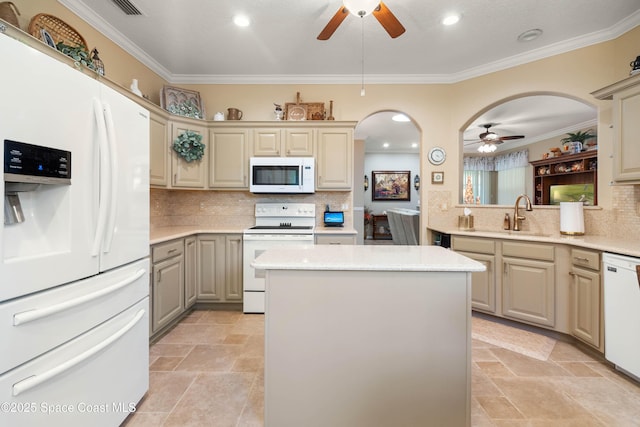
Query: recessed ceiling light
x=414 y=145
x=400 y=118
x=529 y=35
x=451 y=19
x=385 y=145
x=241 y=20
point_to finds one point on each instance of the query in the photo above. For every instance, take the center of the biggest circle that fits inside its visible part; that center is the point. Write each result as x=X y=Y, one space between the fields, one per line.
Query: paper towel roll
x=572 y=218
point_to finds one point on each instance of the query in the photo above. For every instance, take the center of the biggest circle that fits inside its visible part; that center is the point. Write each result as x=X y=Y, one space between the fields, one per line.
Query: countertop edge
x=600 y=243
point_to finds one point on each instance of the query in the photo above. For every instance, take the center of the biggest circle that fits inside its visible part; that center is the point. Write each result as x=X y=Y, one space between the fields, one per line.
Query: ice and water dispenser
x=29 y=172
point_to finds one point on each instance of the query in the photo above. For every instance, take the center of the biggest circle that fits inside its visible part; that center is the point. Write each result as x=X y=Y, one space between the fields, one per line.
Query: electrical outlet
x=201 y=206
x=345 y=206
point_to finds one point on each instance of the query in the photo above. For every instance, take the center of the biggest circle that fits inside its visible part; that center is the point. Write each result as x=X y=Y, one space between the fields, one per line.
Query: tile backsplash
x=230 y=209
x=622 y=221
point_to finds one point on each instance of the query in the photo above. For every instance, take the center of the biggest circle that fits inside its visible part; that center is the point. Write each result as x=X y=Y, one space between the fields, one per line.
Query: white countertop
x=164 y=234
x=600 y=243
x=365 y=258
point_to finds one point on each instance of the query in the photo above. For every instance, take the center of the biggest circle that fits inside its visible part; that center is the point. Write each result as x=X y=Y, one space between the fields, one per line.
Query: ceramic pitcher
x=234 y=114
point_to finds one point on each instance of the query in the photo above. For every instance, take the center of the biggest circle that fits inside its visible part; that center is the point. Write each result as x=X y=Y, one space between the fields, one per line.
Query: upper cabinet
x=228 y=159
x=277 y=142
x=159 y=150
x=334 y=155
x=626 y=110
x=229 y=144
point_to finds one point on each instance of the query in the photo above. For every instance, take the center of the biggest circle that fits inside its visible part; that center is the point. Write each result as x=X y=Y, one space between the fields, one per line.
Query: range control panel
x=34 y=163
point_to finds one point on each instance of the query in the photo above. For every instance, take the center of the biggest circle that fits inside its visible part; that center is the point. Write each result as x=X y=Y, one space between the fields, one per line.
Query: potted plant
x=579 y=136
x=574 y=142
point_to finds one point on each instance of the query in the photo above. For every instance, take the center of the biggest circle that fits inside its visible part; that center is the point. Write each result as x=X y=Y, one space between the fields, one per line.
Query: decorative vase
x=134 y=87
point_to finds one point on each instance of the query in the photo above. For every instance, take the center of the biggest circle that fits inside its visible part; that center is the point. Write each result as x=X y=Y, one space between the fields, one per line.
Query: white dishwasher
x=622 y=312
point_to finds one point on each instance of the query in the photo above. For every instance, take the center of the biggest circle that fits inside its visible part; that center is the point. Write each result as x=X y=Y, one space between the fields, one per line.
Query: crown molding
x=80 y=9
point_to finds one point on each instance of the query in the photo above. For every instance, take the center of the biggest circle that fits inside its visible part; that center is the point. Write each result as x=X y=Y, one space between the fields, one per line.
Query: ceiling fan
x=362 y=8
x=489 y=136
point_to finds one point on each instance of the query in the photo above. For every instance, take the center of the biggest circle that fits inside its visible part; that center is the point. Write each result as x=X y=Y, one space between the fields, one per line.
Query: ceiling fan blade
x=333 y=24
x=507 y=138
x=388 y=20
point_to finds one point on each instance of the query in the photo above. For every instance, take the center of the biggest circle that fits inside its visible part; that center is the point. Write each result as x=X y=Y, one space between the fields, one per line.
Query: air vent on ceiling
x=127 y=7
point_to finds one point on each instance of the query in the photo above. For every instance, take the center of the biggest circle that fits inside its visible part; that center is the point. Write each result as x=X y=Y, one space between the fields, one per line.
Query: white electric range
x=277 y=224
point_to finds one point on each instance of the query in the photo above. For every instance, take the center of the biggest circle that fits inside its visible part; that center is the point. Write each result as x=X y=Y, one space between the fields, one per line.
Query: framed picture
x=295 y=112
x=182 y=102
x=391 y=185
x=437 y=177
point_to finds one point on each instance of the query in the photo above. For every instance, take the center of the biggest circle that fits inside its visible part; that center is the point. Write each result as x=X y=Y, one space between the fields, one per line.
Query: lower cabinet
x=167 y=289
x=483 y=283
x=528 y=282
x=586 y=297
x=205 y=268
x=219 y=268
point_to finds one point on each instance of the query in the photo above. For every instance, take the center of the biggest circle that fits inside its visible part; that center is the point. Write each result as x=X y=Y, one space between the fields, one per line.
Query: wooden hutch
x=567 y=169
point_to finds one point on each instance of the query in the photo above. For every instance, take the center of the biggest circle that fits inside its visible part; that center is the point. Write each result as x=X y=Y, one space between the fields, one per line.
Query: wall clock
x=437 y=156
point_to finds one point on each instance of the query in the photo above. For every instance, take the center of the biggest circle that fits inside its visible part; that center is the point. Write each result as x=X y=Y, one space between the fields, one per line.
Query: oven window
x=276 y=175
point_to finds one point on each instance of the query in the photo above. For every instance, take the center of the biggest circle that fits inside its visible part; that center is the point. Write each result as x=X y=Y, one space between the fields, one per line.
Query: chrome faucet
x=516 y=216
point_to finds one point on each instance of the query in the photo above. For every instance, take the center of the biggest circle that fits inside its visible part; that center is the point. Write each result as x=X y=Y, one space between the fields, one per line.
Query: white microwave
x=282 y=175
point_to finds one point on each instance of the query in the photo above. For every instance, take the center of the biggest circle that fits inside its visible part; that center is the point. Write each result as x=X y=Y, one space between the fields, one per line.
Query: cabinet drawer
x=587 y=259
x=528 y=250
x=167 y=250
x=470 y=244
x=333 y=239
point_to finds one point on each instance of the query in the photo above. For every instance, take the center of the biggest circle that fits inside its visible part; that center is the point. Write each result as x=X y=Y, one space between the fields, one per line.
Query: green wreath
x=189 y=146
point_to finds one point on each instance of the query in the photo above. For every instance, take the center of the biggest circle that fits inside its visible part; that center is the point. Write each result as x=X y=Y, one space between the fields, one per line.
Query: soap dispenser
x=507 y=222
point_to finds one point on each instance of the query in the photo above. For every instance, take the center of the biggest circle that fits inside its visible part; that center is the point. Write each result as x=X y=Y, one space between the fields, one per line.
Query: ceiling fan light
x=491 y=136
x=487 y=148
x=361 y=7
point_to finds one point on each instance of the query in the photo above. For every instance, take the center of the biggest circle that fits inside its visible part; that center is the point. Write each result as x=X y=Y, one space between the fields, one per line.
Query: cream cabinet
x=626 y=110
x=219 y=272
x=483 y=283
x=334 y=153
x=159 y=150
x=188 y=174
x=335 y=239
x=228 y=158
x=274 y=142
x=528 y=282
x=167 y=289
x=190 y=266
x=586 y=297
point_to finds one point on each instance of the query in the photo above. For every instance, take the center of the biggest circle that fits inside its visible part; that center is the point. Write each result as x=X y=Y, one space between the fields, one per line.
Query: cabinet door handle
x=505 y=268
x=581 y=259
x=171 y=251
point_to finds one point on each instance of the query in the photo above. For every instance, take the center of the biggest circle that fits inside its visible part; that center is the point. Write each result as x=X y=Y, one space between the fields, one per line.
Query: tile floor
x=208 y=371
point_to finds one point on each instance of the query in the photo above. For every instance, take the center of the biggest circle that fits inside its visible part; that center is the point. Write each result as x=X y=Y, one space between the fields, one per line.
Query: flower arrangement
x=78 y=53
x=189 y=146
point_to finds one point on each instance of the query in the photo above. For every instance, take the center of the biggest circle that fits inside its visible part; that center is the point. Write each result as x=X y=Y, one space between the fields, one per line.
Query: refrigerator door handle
x=113 y=169
x=105 y=190
x=39 y=313
x=37 y=379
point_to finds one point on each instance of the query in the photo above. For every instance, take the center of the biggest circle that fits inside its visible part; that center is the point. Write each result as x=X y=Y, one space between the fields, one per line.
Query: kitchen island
x=367 y=336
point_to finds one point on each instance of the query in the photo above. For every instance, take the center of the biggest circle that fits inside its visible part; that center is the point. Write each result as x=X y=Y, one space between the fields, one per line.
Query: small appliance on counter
x=333 y=218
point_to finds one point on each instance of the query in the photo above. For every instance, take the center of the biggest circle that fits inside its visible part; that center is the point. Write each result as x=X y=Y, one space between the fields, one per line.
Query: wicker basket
x=59 y=30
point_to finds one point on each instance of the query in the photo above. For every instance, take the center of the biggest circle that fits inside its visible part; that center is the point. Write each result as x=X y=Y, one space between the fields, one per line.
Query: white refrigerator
x=74 y=268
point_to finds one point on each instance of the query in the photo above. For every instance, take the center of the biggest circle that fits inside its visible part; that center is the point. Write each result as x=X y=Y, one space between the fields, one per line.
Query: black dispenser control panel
x=34 y=163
